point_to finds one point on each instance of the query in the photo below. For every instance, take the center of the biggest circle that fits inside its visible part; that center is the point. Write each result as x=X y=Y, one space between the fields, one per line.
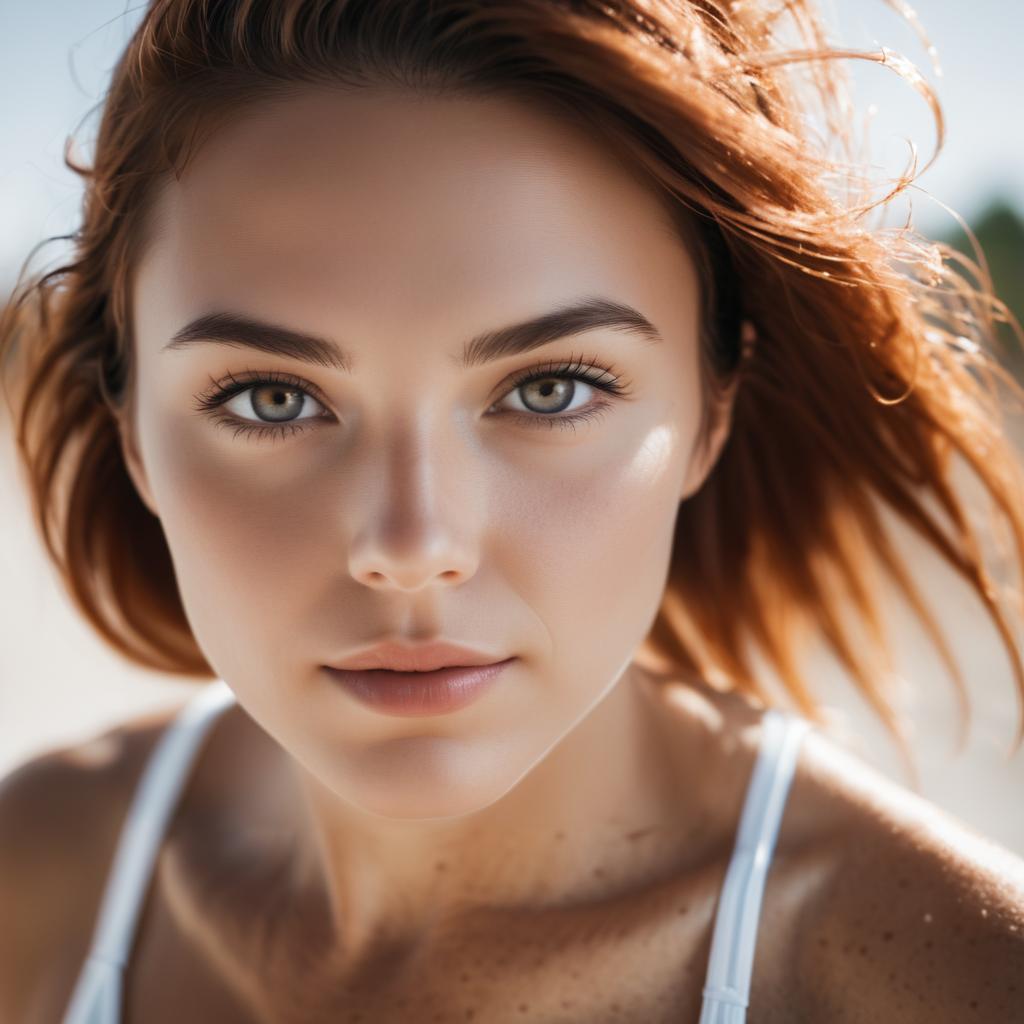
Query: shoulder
x=60 y=817
x=915 y=917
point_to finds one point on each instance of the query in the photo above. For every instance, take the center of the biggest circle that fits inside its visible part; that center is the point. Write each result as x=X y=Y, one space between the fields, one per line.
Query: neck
x=279 y=881
x=602 y=812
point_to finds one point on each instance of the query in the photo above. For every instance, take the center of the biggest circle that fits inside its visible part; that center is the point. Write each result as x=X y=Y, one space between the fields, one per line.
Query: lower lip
x=420 y=693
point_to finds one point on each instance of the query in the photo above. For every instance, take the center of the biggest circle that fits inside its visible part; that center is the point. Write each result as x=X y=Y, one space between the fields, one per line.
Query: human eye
x=271 y=404
x=273 y=394
x=557 y=387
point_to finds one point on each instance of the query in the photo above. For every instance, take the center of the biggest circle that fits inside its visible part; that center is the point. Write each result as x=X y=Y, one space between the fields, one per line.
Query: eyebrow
x=576 y=318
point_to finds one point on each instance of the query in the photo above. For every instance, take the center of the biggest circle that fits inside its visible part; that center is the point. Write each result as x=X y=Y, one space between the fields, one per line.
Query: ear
x=702 y=460
x=133 y=461
x=704 y=457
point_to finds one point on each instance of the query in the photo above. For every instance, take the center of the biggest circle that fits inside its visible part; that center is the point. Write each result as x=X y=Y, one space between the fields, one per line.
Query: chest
x=642 y=958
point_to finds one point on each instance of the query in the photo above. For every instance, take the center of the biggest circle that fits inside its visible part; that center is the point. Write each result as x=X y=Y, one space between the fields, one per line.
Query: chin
x=420 y=777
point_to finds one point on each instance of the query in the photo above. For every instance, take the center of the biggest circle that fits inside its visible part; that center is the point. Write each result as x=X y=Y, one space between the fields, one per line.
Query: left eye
x=273 y=403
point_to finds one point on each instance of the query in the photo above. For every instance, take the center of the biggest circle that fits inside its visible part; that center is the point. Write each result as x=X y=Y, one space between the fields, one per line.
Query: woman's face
x=392 y=489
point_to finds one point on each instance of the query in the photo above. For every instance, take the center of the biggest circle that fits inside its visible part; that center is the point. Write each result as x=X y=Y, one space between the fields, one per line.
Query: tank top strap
x=727 y=984
x=97 y=995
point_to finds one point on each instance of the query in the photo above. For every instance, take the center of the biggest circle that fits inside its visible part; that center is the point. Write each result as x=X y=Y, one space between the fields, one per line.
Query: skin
x=443 y=517
x=555 y=850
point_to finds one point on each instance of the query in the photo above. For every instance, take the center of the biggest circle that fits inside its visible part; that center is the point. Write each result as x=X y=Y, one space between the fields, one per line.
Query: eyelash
x=221 y=392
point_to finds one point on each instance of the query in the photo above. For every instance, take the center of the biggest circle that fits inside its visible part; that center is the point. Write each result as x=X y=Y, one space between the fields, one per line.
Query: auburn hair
x=863 y=371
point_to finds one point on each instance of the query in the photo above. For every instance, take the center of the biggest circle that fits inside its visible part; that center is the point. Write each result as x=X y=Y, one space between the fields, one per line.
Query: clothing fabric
x=97 y=996
x=727 y=983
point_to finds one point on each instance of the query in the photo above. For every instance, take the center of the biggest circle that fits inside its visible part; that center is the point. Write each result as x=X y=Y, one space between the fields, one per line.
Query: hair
x=866 y=369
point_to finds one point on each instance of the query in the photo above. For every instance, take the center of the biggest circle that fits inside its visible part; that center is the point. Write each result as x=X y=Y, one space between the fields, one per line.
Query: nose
x=417 y=526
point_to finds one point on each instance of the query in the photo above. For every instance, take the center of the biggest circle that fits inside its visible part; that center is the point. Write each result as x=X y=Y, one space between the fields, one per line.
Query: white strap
x=727 y=985
x=97 y=995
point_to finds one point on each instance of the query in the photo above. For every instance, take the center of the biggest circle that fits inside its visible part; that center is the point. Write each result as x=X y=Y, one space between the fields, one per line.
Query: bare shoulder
x=918 y=917
x=60 y=817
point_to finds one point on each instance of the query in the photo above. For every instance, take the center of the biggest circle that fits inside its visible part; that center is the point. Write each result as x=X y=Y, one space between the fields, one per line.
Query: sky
x=56 y=57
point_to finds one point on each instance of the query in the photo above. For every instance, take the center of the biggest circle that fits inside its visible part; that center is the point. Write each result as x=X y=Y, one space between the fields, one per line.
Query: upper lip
x=421 y=657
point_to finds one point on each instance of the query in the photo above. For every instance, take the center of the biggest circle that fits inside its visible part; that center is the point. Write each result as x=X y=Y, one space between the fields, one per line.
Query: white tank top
x=97 y=995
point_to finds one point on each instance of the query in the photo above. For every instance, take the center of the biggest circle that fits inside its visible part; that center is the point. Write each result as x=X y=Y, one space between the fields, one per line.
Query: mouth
x=406 y=694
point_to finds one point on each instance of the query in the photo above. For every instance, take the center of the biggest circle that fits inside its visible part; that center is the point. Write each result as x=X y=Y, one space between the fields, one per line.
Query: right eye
x=279 y=403
x=270 y=404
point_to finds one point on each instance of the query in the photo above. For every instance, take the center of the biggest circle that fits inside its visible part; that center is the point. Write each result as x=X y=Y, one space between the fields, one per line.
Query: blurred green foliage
x=999 y=230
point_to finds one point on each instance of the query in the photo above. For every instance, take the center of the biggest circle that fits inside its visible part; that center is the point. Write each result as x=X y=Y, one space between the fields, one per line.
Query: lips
x=422 y=657
x=419 y=693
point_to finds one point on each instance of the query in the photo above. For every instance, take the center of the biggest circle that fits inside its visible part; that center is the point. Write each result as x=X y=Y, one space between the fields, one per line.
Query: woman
x=403 y=337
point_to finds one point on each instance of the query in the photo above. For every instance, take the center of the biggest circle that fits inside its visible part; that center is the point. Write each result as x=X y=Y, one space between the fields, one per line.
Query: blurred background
x=58 y=684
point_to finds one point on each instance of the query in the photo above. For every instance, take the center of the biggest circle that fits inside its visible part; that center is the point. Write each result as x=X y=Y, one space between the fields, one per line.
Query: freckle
x=574 y=974
x=599 y=872
x=523 y=1007
x=470 y=1014
x=823 y=943
x=616 y=1007
x=566 y=1003
x=863 y=950
x=559 y=836
x=887 y=936
x=973 y=1004
x=892 y=975
x=440 y=866
x=683 y=909
x=929 y=944
x=464 y=976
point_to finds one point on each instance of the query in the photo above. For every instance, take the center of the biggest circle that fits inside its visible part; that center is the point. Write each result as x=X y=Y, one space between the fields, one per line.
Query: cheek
x=236 y=522
x=589 y=548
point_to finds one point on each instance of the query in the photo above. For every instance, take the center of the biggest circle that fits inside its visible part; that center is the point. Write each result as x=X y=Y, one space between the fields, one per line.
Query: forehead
x=391 y=201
